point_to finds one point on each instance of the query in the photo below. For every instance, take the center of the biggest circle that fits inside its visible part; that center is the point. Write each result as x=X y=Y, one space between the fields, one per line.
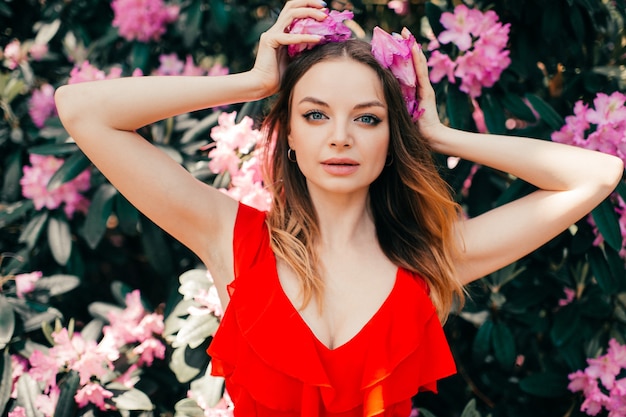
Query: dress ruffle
x=271 y=359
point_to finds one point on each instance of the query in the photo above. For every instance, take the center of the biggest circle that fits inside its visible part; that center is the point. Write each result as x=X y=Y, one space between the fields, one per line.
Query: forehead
x=340 y=79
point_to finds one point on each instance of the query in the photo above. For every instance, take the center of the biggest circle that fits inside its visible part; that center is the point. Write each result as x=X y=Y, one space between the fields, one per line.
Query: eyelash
x=374 y=119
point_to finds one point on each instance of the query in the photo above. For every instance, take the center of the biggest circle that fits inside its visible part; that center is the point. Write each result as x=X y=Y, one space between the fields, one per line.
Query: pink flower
x=170 y=65
x=19 y=366
x=87 y=72
x=44 y=369
x=442 y=66
x=41 y=105
x=331 y=29
x=394 y=52
x=142 y=20
x=94 y=394
x=38 y=51
x=46 y=403
x=14 y=54
x=570 y=294
x=401 y=7
x=18 y=412
x=35 y=180
x=148 y=350
x=480 y=39
x=459 y=27
x=218 y=69
x=25 y=283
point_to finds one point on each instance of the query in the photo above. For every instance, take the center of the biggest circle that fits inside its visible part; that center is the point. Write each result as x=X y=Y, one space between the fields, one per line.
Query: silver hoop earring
x=291 y=155
x=389 y=160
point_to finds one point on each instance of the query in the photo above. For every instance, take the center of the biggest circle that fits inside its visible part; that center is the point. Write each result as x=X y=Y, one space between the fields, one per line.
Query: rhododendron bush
x=102 y=313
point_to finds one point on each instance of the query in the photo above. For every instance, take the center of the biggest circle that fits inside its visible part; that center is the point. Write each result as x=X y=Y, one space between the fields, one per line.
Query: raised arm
x=571 y=182
x=102 y=117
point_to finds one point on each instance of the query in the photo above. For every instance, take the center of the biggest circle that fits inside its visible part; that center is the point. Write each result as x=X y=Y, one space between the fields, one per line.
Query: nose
x=341 y=136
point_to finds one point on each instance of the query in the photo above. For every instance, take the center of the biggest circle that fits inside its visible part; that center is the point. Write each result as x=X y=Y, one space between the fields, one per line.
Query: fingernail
x=323 y=3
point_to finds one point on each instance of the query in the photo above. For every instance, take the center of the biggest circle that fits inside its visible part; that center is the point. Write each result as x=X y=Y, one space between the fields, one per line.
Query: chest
x=353 y=294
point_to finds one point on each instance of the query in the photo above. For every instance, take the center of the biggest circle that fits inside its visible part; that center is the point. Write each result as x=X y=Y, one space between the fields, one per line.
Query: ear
x=289 y=141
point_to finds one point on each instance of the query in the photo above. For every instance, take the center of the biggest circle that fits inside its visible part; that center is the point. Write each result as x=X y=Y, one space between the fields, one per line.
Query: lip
x=340 y=166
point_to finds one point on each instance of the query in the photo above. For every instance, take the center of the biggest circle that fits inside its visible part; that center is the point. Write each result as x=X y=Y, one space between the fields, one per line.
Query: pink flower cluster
x=25 y=283
x=87 y=72
x=602 y=128
x=41 y=105
x=600 y=384
x=131 y=330
x=208 y=300
x=480 y=39
x=599 y=128
x=170 y=64
x=394 y=52
x=236 y=151
x=331 y=29
x=143 y=20
x=35 y=180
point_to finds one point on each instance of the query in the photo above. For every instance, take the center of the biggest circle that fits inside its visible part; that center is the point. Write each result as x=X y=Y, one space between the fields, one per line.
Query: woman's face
x=339 y=126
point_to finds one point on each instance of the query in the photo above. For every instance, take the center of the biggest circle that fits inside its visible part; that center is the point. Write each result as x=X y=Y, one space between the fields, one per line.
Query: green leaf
x=127 y=215
x=6 y=381
x=7 y=318
x=30 y=234
x=57 y=284
x=59 y=239
x=481 y=346
x=220 y=16
x=140 y=55
x=621 y=190
x=120 y=290
x=470 y=409
x=66 y=405
x=433 y=13
x=503 y=345
x=601 y=271
x=458 y=108
x=133 y=399
x=547 y=113
x=70 y=169
x=494 y=114
x=517 y=107
x=54 y=149
x=155 y=247
x=545 y=385
x=566 y=322
x=196 y=330
x=12 y=173
x=608 y=224
x=191 y=29
x=184 y=373
x=27 y=393
x=14 y=211
x=99 y=212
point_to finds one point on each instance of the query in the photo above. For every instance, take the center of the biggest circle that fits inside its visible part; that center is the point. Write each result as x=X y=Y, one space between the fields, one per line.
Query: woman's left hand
x=428 y=122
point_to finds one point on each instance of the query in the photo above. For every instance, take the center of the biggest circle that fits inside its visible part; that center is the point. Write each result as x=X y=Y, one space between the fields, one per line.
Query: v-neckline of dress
x=354 y=337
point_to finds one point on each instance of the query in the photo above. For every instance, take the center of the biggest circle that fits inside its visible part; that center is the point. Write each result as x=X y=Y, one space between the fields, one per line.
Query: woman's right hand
x=272 y=52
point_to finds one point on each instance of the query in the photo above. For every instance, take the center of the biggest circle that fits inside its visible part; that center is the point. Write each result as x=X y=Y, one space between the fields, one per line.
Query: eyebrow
x=373 y=103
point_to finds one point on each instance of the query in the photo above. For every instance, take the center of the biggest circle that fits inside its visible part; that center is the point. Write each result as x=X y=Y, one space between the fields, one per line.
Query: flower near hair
x=601 y=384
x=35 y=182
x=143 y=20
x=331 y=29
x=394 y=52
x=480 y=40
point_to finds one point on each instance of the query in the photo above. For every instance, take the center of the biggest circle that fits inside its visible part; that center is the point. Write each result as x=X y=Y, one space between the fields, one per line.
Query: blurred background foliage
x=515 y=342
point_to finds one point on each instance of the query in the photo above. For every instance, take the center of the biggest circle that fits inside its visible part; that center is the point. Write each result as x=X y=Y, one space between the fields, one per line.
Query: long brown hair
x=412 y=207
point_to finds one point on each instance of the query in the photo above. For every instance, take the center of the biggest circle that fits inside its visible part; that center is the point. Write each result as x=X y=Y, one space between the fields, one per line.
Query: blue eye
x=314 y=115
x=369 y=119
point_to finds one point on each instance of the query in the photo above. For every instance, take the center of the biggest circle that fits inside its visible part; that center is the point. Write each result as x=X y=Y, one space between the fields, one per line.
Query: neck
x=343 y=219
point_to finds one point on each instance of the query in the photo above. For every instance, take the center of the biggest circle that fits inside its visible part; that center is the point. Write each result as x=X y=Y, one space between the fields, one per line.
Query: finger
x=307 y=9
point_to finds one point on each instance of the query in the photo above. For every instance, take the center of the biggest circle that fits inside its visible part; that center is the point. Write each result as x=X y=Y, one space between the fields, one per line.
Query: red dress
x=274 y=365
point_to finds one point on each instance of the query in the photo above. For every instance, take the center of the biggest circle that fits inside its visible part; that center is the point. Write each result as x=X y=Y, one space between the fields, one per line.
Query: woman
x=340 y=288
